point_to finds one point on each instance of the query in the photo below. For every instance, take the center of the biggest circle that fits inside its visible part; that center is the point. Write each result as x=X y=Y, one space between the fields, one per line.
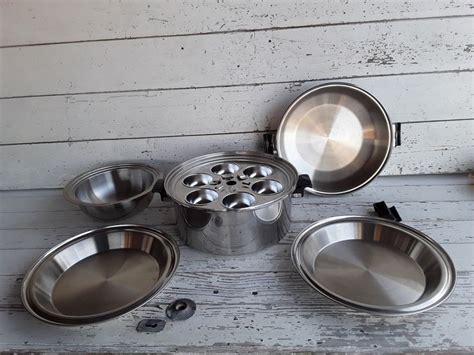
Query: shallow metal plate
x=374 y=265
x=338 y=134
x=99 y=275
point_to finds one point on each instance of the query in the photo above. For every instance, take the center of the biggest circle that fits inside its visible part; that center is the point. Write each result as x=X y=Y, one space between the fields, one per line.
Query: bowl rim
x=70 y=188
x=155 y=233
x=386 y=311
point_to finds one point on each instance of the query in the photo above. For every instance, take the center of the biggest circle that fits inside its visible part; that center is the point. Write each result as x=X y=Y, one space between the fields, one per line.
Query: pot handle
x=303 y=182
x=160 y=188
x=382 y=210
x=269 y=144
x=397 y=134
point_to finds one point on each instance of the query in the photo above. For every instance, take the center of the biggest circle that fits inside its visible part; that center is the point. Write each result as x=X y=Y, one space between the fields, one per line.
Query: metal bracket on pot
x=269 y=146
x=303 y=182
x=160 y=188
x=383 y=211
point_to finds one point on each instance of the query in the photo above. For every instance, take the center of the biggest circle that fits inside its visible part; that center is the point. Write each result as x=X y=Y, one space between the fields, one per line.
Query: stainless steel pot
x=234 y=202
x=99 y=275
x=338 y=134
x=374 y=264
x=113 y=191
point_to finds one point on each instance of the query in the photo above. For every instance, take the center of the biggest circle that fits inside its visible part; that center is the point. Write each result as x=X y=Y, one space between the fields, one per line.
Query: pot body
x=234 y=232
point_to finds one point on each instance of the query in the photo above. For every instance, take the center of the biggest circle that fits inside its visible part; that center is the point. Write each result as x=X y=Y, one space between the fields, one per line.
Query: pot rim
x=205 y=158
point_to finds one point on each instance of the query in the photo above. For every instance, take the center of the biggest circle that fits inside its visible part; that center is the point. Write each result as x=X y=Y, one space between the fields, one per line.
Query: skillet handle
x=160 y=188
x=303 y=182
x=397 y=134
x=383 y=211
x=269 y=144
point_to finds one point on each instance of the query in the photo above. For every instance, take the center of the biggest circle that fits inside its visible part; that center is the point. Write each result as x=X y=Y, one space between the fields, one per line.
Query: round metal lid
x=374 y=265
x=99 y=275
x=338 y=134
x=231 y=181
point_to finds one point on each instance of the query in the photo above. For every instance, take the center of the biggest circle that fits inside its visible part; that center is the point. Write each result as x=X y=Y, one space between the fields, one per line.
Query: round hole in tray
x=258 y=171
x=225 y=168
x=202 y=197
x=197 y=180
x=238 y=200
x=267 y=187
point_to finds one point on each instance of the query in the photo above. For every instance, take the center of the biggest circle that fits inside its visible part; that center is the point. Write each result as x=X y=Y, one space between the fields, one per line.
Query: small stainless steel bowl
x=113 y=191
x=339 y=135
x=99 y=275
x=374 y=265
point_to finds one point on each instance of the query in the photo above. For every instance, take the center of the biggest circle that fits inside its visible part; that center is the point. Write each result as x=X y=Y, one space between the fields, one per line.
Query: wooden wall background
x=88 y=82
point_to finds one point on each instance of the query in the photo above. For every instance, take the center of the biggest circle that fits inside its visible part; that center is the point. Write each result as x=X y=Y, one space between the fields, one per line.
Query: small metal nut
x=151 y=325
x=181 y=309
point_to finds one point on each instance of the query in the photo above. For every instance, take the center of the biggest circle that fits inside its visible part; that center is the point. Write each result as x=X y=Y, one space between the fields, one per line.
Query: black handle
x=269 y=143
x=160 y=188
x=383 y=211
x=303 y=182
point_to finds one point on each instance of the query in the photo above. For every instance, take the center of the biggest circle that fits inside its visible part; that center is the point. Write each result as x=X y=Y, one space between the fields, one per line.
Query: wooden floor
x=249 y=303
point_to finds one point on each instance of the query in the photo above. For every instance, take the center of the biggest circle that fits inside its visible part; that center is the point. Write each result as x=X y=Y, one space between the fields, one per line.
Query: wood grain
x=312 y=53
x=425 y=149
x=249 y=303
x=252 y=328
x=30 y=22
x=407 y=98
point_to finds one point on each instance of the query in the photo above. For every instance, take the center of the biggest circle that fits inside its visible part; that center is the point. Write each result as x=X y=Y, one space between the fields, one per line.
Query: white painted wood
x=407 y=98
x=445 y=231
x=432 y=148
x=252 y=328
x=302 y=213
x=29 y=21
x=248 y=303
x=53 y=200
x=426 y=148
x=239 y=58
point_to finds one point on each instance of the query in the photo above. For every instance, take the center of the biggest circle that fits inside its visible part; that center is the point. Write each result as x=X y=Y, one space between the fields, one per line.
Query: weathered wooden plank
x=252 y=328
x=125 y=19
x=444 y=231
x=422 y=152
x=425 y=149
x=227 y=288
x=311 y=210
x=239 y=58
x=407 y=98
x=272 y=259
x=381 y=188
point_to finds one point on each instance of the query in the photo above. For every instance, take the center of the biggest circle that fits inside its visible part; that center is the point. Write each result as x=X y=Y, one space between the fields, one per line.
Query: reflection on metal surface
x=338 y=134
x=99 y=275
x=374 y=265
x=244 y=209
x=234 y=232
x=113 y=192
